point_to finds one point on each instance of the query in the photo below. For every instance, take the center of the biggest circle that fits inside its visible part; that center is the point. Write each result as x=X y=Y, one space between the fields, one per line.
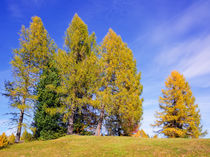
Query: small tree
x=11 y=139
x=141 y=133
x=26 y=136
x=3 y=140
x=155 y=136
x=179 y=115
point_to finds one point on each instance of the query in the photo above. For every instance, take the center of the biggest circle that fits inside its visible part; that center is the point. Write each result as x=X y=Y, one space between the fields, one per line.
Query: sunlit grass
x=92 y=146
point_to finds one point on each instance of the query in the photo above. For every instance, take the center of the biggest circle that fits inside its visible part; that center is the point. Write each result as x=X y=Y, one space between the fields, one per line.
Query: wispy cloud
x=181 y=43
x=191 y=57
x=198 y=64
x=189 y=54
x=17 y=8
x=195 y=16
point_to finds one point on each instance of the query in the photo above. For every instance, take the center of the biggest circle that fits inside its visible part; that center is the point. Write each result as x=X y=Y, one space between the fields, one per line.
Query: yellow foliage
x=33 y=55
x=3 y=140
x=26 y=136
x=77 y=68
x=155 y=136
x=179 y=116
x=120 y=96
x=141 y=133
x=11 y=139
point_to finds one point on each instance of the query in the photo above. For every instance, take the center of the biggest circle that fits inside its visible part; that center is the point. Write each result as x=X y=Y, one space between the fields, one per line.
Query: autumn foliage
x=3 y=140
x=140 y=133
x=11 y=139
x=179 y=115
x=87 y=87
x=120 y=90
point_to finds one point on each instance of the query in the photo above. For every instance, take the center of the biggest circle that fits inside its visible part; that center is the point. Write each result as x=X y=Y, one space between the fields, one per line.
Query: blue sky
x=164 y=35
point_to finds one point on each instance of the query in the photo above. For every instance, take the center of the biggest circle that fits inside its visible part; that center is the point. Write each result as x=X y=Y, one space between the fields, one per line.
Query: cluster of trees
x=86 y=86
x=77 y=89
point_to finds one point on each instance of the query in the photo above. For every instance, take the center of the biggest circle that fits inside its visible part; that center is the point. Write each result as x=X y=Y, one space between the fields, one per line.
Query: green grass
x=90 y=146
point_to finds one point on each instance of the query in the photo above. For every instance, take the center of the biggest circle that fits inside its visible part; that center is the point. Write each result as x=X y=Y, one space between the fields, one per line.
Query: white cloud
x=196 y=15
x=198 y=64
x=182 y=43
x=191 y=57
x=191 y=54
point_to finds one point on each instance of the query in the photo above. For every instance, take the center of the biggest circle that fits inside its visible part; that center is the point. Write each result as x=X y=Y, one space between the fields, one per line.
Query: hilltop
x=92 y=146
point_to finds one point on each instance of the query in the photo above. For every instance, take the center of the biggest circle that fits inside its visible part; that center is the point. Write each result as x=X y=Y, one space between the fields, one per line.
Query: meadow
x=109 y=146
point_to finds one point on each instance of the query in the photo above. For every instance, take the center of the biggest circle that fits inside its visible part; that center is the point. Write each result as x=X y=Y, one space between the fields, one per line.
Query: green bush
x=49 y=134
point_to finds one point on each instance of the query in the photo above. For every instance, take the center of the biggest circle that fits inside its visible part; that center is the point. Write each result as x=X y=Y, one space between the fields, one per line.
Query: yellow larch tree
x=120 y=89
x=28 y=62
x=179 y=115
x=77 y=69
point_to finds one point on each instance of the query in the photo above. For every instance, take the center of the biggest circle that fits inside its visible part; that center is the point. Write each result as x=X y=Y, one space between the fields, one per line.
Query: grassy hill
x=91 y=146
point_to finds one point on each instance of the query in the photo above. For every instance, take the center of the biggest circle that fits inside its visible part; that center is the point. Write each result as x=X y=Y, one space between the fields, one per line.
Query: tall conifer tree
x=48 y=126
x=77 y=69
x=119 y=94
x=179 y=115
x=27 y=64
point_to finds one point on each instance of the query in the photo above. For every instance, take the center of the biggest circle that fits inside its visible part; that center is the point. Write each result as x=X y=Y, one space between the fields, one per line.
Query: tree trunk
x=99 y=126
x=118 y=124
x=17 y=139
x=70 y=124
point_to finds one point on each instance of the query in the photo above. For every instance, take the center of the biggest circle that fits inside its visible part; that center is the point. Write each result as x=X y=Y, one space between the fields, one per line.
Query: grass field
x=91 y=146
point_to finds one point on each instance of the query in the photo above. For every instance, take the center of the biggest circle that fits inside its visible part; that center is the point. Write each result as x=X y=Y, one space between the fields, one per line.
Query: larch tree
x=120 y=90
x=77 y=67
x=179 y=115
x=27 y=63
